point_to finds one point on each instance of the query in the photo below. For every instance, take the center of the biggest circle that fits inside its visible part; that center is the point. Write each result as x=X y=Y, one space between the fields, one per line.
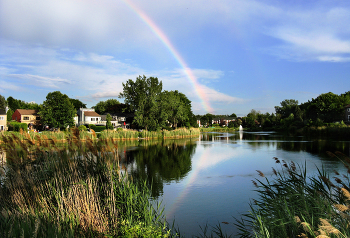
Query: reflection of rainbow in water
x=160 y=34
x=187 y=184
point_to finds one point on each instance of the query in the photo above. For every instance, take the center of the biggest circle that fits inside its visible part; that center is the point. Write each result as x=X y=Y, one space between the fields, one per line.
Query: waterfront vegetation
x=293 y=204
x=77 y=189
x=73 y=191
x=120 y=134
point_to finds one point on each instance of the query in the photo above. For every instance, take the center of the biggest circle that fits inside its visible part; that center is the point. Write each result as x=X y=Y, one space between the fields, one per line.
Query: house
x=347 y=113
x=3 y=120
x=88 y=116
x=28 y=116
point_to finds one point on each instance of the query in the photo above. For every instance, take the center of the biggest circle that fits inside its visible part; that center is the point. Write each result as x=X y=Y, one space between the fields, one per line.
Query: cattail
x=292 y=165
x=255 y=184
x=330 y=154
x=277 y=162
x=346 y=193
x=274 y=171
x=338 y=180
x=341 y=207
x=336 y=172
x=285 y=165
x=261 y=173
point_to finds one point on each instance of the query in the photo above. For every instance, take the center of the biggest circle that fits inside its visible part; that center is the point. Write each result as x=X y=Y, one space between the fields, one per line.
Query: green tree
x=15 y=104
x=143 y=96
x=3 y=103
x=57 y=110
x=110 y=105
x=287 y=107
x=77 y=103
x=328 y=107
x=174 y=108
x=9 y=114
x=109 y=125
x=233 y=115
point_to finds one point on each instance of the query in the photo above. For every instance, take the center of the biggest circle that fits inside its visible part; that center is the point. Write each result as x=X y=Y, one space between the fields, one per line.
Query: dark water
x=208 y=180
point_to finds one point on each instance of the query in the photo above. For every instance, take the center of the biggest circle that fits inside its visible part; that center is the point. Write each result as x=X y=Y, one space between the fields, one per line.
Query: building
x=87 y=116
x=347 y=113
x=28 y=116
x=3 y=120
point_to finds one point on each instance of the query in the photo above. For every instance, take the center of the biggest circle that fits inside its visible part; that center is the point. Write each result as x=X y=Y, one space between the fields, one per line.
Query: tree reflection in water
x=161 y=163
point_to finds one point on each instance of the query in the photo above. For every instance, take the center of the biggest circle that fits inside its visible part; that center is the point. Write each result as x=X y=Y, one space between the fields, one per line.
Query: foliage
x=9 y=114
x=77 y=103
x=72 y=193
x=233 y=115
x=287 y=107
x=17 y=126
x=295 y=205
x=106 y=106
x=3 y=102
x=97 y=128
x=82 y=128
x=57 y=111
x=206 y=120
x=15 y=104
x=109 y=125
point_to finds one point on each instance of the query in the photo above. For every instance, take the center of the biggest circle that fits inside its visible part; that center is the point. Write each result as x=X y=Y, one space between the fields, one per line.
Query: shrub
x=82 y=128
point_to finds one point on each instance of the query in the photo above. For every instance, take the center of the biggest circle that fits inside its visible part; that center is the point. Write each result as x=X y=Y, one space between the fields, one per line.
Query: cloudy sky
x=226 y=55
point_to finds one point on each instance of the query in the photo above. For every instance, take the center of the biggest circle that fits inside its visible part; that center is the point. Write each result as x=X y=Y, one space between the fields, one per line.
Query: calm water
x=208 y=180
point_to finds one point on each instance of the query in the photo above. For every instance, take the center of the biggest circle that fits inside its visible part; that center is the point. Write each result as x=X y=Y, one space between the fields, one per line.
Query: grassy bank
x=76 y=191
x=218 y=129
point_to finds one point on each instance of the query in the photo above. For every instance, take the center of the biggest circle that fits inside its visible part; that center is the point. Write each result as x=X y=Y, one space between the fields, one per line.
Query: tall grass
x=76 y=191
x=293 y=204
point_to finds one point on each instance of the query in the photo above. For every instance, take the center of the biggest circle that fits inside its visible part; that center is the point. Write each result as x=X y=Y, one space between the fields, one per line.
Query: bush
x=82 y=128
x=16 y=126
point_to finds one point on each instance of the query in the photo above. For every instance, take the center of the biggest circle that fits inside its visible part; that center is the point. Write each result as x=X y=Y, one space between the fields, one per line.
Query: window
x=25 y=118
x=38 y=118
x=2 y=118
x=349 y=109
x=92 y=119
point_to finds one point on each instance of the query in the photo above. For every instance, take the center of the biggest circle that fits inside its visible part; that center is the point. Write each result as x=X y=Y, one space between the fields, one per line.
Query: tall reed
x=73 y=191
x=293 y=204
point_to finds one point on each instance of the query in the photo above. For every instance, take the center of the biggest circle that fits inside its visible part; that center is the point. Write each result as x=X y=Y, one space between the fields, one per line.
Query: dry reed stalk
x=260 y=173
x=327 y=228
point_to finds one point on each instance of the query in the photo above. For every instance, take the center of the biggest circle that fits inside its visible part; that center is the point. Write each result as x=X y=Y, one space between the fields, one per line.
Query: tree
x=233 y=115
x=3 y=103
x=9 y=114
x=15 y=104
x=57 y=111
x=110 y=106
x=287 y=107
x=173 y=107
x=109 y=125
x=77 y=103
x=143 y=96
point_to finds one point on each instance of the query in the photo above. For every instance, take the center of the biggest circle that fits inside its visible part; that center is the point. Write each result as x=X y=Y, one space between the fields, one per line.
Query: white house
x=88 y=116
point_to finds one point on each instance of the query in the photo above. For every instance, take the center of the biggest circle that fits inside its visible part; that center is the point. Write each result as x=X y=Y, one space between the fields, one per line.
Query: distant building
x=28 y=116
x=347 y=113
x=3 y=120
x=88 y=116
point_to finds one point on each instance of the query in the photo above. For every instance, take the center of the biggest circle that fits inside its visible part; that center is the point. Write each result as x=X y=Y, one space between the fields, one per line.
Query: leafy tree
x=57 y=110
x=15 y=104
x=207 y=119
x=287 y=107
x=77 y=103
x=233 y=115
x=174 y=108
x=3 y=103
x=110 y=105
x=109 y=125
x=142 y=96
x=9 y=114
x=328 y=107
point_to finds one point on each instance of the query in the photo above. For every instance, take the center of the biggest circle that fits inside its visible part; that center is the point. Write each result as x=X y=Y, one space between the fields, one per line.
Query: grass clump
x=73 y=191
x=293 y=204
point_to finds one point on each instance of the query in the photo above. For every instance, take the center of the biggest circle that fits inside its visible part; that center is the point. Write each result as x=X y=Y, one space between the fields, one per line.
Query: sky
x=226 y=56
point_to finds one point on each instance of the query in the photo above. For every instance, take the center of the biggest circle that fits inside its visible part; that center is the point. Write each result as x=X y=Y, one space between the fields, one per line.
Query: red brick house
x=28 y=116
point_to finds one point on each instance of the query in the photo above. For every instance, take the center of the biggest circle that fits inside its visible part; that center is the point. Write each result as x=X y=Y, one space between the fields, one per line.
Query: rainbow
x=165 y=40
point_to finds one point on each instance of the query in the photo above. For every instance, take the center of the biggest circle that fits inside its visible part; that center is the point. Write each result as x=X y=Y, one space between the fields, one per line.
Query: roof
x=91 y=114
x=347 y=105
x=2 y=112
x=27 y=112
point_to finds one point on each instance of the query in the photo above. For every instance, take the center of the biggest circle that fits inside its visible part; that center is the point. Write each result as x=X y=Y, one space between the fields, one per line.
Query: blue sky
x=245 y=54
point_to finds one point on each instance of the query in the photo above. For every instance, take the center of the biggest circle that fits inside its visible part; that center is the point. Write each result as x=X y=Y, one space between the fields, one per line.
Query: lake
x=208 y=180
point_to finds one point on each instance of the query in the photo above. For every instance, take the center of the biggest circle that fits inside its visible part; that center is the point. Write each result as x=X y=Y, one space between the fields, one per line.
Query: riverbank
x=48 y=191
x=64 y=136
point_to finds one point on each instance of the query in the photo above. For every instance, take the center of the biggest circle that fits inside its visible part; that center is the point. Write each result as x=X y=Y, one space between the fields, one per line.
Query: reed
x=292 y=204
x=73 y=191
